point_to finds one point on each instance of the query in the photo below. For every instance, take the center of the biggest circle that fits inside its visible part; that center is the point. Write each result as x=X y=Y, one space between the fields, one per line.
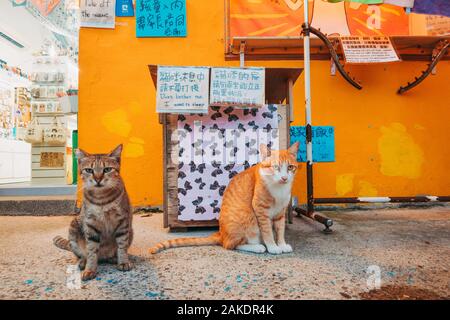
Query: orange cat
x=254 y=204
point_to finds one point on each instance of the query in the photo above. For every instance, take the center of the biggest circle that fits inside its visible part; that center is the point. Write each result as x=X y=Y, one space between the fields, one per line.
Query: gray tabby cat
x=102 y=232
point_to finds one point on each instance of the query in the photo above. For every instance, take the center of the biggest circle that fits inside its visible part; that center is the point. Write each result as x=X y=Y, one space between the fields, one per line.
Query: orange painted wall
x=385 y=144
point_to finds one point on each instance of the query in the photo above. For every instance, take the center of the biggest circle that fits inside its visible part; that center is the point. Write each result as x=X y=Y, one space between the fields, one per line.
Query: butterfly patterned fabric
x=213 y=148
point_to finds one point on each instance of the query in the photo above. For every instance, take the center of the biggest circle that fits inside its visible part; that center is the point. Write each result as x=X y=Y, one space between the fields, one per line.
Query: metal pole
x=309 y=156
x=307 y=71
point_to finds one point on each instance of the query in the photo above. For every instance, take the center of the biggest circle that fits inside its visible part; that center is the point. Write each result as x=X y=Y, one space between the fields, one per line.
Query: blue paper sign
x=160 y=18
x=124 y=8
x=322 y=141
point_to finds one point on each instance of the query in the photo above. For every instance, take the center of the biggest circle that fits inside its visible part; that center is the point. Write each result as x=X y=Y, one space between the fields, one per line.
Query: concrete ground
x=411 y=248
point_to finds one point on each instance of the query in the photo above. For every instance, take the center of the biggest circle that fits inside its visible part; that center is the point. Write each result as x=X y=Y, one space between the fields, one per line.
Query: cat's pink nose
x=284 y=179
x=98 y=179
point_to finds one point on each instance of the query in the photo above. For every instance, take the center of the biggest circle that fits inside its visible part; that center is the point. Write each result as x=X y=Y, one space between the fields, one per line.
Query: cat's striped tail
x=61 y=243
x=213 y=239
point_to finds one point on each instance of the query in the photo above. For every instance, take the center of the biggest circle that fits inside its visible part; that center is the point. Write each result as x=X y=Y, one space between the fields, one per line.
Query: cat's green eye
x=106 y=170
x=276 y=167
x=89 y=170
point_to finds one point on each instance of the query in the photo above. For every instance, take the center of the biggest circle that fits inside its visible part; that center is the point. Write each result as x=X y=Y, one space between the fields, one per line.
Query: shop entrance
x=38 y=98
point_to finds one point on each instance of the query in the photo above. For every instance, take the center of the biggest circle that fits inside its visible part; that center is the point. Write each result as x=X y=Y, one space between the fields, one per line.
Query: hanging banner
x=41 y=6
x=19 y=3
x=360 y=1
x=237 y=87
x=266 y=18
x=322 y=143
x=45 y=7
x=51 y=5
x=368 y=50
x=124 y=8
x=98 y=13
x=403 y=3
x=182 y=90
x=438 y=7
x=283 y=18
x=160 y=18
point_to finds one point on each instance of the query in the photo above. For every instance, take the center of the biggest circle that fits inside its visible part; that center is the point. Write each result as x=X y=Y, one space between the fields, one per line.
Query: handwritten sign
x=98 y=13
x=182 y=90
x=237 y=87
x=437 y=25
x=322 y=141
x=359 y=49
x=161 y=18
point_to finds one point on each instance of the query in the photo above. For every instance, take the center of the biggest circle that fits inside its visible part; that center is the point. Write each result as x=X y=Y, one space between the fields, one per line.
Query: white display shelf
x=49 y=114
x=44 y=99
x=15 y=161
x=69 y=104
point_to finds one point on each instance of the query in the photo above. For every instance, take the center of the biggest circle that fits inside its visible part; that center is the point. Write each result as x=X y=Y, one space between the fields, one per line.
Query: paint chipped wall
x=386 y=145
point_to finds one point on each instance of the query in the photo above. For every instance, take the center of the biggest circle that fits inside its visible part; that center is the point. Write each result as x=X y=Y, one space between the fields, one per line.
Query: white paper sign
x=237 y=87
x=182 y=90
x=437 y=25
x=98 y=13
x=358 y=49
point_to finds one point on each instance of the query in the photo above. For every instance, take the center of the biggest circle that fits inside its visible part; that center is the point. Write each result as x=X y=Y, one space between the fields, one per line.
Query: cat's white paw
x=256 y=248
x=260 y=248
x=286 y=248
x=274 y=249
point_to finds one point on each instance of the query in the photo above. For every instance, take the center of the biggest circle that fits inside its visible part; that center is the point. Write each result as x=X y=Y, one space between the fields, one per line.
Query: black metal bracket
x=335 y=44
x=439 y=52
x=308 y=29
x=315 y=216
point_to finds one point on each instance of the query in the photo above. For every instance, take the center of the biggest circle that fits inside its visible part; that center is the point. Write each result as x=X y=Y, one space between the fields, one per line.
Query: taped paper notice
x=161 y=18
x=98 y=13
x=182 y=90
x=359 y=49
x=237 y=87
x=437 y=25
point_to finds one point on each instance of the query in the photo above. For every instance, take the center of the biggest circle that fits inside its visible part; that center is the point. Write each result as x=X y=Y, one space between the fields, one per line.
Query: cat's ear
x=264 y=151
x=80 y=153
x=116 y=153
x=294 y=149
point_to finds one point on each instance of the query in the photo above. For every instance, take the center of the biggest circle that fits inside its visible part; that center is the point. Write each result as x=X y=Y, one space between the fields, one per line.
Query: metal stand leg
x=317 y=217
x=290 y=214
